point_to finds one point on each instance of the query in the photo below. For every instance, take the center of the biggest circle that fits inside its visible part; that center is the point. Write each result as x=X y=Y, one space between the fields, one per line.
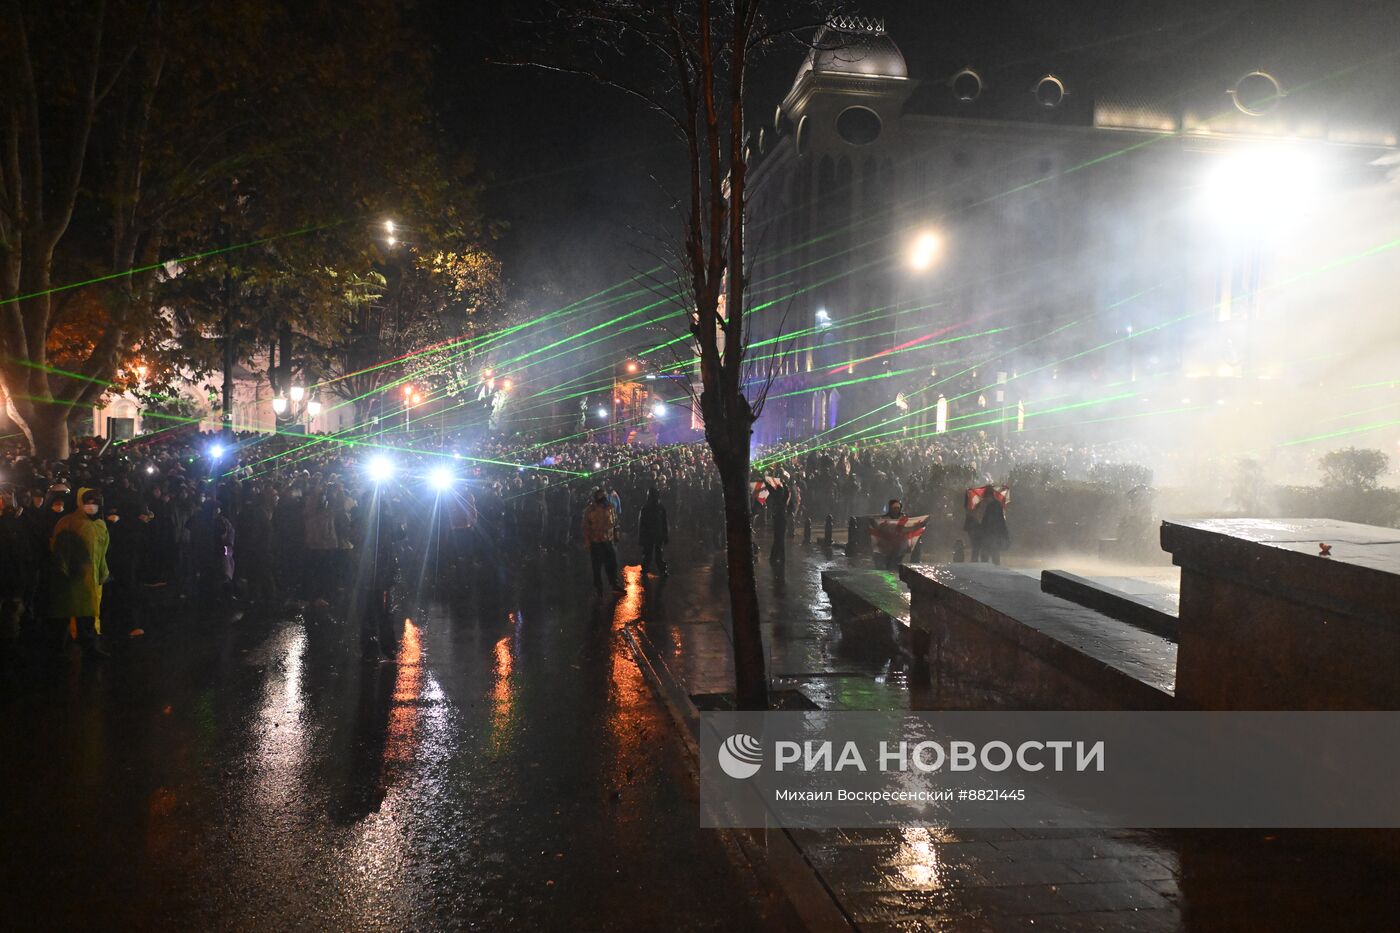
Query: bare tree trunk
x=46 y=427
x=750 y=662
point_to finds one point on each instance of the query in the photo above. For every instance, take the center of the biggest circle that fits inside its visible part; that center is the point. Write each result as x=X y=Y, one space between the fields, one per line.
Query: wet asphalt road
x=511 y=769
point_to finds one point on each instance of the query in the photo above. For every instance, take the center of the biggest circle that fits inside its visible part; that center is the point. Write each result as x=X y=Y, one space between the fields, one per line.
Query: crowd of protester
x=117 y=536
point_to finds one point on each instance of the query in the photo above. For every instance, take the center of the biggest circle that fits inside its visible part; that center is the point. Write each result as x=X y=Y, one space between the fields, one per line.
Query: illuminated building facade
x=1022 y=220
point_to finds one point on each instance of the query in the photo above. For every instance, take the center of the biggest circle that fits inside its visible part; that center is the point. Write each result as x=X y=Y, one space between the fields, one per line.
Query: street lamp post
x=295 y=406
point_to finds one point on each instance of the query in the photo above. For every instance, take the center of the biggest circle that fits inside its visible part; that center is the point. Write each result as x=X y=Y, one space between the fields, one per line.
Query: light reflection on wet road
x=511 y=769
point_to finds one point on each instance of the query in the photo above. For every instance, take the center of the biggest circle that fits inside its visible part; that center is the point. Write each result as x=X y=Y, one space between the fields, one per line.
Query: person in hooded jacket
x=652 y=533
x=77 y=570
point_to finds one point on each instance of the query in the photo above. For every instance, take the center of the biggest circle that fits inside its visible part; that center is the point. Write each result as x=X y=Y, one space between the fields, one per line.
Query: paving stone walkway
x=1006 y=879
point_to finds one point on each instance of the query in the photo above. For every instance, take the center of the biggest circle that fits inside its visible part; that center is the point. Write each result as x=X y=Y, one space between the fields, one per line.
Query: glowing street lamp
x=297 y=393
x=313 y=407
x=279 y=405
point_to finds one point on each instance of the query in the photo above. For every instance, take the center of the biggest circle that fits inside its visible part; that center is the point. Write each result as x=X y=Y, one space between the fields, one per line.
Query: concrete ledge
x=1268 y=622
x=993 y=625
x=1117 y=604
x=1360 y=578
x=871 y=607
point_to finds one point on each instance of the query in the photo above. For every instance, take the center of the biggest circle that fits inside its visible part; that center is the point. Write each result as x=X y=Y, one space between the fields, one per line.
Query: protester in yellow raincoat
x=78 y=564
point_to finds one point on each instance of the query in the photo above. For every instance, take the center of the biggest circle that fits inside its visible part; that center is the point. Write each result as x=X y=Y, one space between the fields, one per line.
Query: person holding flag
x=894 y=534
x=985 y=523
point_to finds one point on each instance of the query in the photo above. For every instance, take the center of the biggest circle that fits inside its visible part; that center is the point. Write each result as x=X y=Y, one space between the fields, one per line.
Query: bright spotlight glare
x=150 y=470
x=216 y=450
x=388 y=226
x=925 y=251
x=597 y=465
x=602 y=413
x=380 y=469
x=659 y=409
x=1260 y=188
x=441 y=479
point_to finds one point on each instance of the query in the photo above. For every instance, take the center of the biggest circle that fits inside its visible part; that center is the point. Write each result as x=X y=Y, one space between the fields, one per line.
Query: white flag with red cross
x=896 y=535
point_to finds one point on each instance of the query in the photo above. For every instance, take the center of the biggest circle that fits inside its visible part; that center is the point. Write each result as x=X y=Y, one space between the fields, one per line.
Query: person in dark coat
x=384 y=531
x=119 y=596
x=211 y=550
x=40 y=520
x=653 y=533
x=777 y=508
x=256 y=545
x=19 y=568
x=986 y=529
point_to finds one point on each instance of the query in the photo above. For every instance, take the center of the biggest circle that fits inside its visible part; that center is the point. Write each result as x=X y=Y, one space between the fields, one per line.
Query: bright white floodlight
x=1260 y=188
x=441 y=479
x=924 y=252
x=380 y=469
x=659 y=409
x=216 y=450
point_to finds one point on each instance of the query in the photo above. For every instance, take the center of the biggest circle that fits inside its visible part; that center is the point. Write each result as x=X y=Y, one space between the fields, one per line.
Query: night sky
x=583 y=176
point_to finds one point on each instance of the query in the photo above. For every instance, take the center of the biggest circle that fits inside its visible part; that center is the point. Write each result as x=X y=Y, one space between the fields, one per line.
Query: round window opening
x=967 y=85
x=858 y=126
x=1050 y=91
x=1257 y=93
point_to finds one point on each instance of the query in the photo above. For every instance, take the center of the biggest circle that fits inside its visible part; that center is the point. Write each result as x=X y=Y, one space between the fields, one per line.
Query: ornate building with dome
x=993 y=234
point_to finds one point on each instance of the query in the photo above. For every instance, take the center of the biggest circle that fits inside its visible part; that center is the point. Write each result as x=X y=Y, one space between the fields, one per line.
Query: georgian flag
x=896 y=535
x=760 y=490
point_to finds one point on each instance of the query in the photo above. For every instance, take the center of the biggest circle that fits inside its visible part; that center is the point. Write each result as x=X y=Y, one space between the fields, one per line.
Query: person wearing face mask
x=77 y=571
